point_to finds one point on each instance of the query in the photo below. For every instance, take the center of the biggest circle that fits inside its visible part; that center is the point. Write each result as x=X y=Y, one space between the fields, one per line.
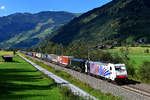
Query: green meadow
x=137 y=55
x=20 y=81
x=5 y=53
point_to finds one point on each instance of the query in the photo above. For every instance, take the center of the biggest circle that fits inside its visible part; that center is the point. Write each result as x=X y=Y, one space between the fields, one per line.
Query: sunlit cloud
x=2 y=7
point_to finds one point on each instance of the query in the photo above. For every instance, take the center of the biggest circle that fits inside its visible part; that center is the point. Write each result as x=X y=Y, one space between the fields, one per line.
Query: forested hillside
x=25 y=29
x=118 y=22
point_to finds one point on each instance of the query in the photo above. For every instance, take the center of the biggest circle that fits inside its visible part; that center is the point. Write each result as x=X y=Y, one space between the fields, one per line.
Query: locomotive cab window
x=120 y=68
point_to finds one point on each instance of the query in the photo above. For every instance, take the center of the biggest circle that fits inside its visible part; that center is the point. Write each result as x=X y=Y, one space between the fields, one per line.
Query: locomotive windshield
x=120 y=68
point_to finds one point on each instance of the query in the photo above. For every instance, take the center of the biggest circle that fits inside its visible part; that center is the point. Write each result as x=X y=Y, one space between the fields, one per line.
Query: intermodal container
x=60 y=59
x=65 y=59
x=77 y=64
x=34 y=54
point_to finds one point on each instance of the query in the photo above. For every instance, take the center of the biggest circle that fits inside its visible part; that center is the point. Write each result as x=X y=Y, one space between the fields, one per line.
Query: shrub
x=144 y=71
x=130 y=69
x=146 y=51
x=117 y=59
x=106 y=56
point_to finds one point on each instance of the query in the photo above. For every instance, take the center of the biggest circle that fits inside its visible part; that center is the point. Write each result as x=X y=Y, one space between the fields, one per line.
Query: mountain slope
x=120 y=21
x=26 y=30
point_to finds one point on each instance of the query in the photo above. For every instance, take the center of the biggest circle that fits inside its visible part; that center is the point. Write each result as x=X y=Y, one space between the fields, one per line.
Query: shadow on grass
x=15 y=61
x=12 y=80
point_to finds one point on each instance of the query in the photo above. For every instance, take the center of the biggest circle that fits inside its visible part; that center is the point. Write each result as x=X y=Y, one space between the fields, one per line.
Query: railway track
x=131 y=87
x=136 y=90
x=128 y=87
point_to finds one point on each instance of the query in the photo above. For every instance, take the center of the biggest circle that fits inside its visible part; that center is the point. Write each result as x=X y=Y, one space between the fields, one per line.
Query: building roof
x=7 y=56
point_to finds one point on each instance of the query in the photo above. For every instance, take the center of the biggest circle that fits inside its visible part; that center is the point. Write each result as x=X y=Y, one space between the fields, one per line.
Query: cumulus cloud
x=2 y=7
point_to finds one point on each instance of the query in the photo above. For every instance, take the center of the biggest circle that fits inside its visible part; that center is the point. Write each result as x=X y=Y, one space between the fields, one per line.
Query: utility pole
x=88 y=53
x=62 y=50
x=56 y=50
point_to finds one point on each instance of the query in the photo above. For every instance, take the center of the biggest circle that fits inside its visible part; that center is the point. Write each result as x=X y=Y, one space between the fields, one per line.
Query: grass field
x=20 y=81
x=137 y=55
x=5 y=53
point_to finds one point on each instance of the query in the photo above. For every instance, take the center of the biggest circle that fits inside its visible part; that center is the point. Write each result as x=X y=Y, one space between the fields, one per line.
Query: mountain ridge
x=118 y=22
x=19 y=28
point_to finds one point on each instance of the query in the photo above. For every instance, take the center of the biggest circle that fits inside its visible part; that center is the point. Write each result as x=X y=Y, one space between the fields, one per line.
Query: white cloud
x=2 y=7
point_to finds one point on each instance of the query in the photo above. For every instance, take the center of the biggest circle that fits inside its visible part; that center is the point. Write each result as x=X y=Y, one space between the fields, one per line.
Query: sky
x=8 y=7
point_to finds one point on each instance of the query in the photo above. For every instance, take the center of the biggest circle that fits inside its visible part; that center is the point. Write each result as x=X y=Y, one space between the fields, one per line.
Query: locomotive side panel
x=100 y=69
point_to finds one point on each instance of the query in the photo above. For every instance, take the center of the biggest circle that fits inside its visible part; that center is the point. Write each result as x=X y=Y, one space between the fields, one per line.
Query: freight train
x=109 y=71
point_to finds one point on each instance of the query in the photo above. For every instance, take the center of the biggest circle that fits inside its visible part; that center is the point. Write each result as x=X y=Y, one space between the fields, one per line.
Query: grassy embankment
x=20 y=81
x=84 y=86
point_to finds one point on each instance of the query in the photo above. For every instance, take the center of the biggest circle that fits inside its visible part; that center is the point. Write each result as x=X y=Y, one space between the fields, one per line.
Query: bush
x=144 y=71
x=130 y=69
x=117 y=59
x=105 y=56
x=146 y=51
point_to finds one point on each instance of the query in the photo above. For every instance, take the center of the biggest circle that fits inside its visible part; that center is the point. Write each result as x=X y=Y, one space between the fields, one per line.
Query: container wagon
x=34 y=54
x=64 y=59
x=77 y=64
